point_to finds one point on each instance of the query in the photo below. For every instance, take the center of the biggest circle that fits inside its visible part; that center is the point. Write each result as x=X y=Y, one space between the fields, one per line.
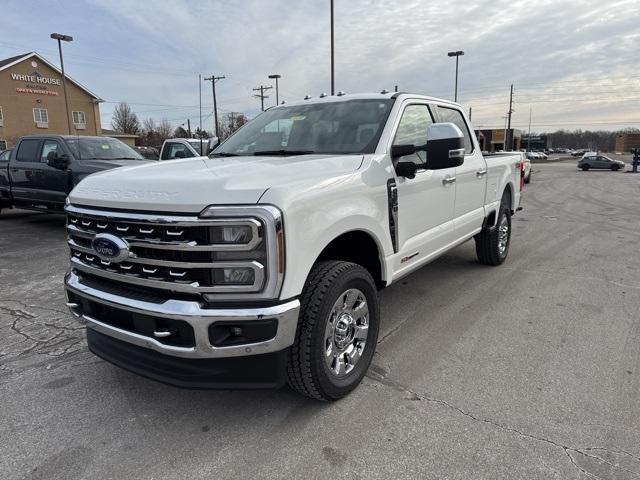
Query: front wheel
x=615 y=168
x=492 y=244
x=337 y=331
x=585 y=167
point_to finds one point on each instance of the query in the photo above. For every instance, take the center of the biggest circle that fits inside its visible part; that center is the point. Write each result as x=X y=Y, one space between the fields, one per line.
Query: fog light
x=234 y=276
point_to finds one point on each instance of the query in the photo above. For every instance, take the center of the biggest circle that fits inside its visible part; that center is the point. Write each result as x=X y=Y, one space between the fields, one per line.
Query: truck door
x=426 y=202
x=53 y=182
x=24 y=170
x=471 y=178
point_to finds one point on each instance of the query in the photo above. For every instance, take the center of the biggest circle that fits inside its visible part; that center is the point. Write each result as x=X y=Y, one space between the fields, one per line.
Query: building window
x=1 y=118
x=41 y=117
x=79 y=120
x=3 y=145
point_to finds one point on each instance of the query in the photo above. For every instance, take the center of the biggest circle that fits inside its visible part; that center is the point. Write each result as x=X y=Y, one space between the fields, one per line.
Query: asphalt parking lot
x=529 y=370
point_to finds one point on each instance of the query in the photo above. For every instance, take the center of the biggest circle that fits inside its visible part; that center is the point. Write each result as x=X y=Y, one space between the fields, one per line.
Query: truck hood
x=189 y=185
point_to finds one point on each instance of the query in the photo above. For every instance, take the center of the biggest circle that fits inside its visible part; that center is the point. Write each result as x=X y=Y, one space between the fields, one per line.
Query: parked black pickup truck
x=42 y=169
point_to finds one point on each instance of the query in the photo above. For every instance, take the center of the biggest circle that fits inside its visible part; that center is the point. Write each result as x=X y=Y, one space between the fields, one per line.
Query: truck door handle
x=15 y=170
x=481 y=173
x=448 y=180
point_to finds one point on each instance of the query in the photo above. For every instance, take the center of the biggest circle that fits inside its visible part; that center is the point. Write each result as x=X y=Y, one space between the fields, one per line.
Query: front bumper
x=82 y=296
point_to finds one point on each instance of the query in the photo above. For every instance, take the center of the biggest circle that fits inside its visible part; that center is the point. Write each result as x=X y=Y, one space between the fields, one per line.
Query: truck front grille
x=171 y=253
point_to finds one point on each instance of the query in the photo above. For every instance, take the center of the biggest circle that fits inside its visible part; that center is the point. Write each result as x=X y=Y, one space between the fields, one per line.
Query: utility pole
x=509 y=116
x=200 y=96
x=333 y=89
x=469 y=113
x=529 y=136
x=261 y=95
x=213 y=79
x=189 y=127
x=395 y=89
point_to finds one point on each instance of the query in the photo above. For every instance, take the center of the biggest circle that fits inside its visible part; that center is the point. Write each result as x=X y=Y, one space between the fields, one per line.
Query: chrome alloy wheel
x=346 y=332
x=503 y=235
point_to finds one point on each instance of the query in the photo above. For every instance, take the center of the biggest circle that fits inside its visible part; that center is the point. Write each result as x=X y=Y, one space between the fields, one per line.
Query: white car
x=261 y=264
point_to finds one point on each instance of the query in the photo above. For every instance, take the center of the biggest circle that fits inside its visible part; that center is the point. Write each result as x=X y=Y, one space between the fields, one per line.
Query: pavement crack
x=568 y=450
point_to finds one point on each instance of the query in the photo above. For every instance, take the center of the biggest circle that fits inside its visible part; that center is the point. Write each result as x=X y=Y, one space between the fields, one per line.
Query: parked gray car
x=599 y=161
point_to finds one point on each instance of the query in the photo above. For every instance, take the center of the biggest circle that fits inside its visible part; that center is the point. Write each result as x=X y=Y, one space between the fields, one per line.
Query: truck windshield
x=101 y=149
x=345 y=127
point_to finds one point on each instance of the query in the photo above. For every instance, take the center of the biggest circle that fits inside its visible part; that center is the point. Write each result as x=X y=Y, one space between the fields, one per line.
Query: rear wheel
x=585 y=167
x=337 y=331
x=528 y=178
x=492 y=244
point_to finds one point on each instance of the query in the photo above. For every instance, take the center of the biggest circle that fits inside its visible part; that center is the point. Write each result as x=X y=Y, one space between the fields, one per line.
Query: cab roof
x=341 y=97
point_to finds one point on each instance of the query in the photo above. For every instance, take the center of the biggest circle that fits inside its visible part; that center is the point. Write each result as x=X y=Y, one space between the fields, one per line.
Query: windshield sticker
x=298 y=117
x=105 y=146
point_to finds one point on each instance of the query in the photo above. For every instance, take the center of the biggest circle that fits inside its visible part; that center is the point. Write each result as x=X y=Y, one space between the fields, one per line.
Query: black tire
x=307 y=371
x=585 y=167
x=487 y=241
x=528 y=178
x=615 y=168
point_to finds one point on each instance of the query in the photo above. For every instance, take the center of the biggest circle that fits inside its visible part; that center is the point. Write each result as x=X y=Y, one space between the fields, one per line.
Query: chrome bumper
x=191 y=312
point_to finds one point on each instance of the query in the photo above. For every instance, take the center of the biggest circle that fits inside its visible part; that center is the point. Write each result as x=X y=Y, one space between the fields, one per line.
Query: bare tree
x=149 y=133
x=124 y=120
x=231 y=122
x=180 y=132
x=164 y=130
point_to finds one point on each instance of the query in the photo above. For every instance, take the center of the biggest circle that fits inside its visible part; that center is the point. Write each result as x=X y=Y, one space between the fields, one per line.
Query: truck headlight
x=247 y=251
x=234 y=234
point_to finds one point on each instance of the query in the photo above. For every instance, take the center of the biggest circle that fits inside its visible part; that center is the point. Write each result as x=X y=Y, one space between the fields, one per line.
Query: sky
x=573 y=64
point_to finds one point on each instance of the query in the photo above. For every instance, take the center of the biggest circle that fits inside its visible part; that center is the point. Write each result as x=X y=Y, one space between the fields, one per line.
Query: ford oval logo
x=111 y=248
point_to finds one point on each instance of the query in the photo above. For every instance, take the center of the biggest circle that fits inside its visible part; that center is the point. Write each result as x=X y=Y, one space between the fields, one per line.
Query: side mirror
x=445 y=146
x=406 y=169
x=61 y=162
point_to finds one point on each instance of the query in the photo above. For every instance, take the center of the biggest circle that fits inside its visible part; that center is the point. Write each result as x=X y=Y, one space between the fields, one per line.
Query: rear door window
x=28 y=150
x=451 y=115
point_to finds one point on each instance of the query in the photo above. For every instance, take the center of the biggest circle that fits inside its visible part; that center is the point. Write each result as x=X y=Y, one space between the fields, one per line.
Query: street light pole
x=276 y=77
x=456 y=54
x=332 y=60
x=63 y=38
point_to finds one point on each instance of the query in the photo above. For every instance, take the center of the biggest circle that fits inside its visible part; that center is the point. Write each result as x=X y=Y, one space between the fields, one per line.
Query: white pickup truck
x=173 y=148
x=261 y=264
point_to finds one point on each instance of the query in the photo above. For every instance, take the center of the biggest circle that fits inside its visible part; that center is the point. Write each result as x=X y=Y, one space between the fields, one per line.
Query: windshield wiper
x=224 y=154
x=284 y=152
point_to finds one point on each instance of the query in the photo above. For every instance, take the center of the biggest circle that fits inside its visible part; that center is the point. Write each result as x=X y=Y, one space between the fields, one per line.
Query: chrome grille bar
x=178 y=253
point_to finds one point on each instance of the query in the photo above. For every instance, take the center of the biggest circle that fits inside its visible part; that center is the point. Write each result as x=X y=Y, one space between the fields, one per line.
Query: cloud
x=568 y=60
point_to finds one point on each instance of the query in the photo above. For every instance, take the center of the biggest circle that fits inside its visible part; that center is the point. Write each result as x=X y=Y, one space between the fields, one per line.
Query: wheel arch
x=357 y=246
